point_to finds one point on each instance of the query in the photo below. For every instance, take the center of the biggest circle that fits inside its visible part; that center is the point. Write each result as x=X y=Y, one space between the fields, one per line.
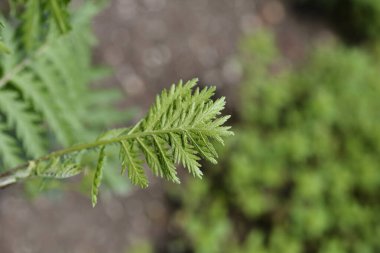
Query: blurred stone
x=232 y=71
x=114 y=209
x=156 y=211
x=156 y=30
x=132 y=84
x=239 y=5
x=273 y=12
x=217 y=25
x=126 y=9
x=156 y=56
x=212 y=77
x=113 y=57
x=115 y=36
x=154 y=5
x=206 y=54
x=249 y=23
x=139 y=226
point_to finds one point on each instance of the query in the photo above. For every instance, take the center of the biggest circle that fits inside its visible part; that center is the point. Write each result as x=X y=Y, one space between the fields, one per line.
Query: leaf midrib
x=98 y=143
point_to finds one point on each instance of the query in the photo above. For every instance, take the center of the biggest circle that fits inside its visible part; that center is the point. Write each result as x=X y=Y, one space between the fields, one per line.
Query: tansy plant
x=178 y=129
x=46 y=102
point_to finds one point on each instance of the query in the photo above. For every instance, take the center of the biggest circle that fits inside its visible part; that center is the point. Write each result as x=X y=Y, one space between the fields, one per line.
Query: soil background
x=150 y=44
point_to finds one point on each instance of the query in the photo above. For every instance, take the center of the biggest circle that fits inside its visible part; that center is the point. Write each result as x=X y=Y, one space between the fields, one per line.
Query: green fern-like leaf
x=9 y=150
x=58 y=168
x=185 y=154
x=25 y=124
x=47 y=91
x=186 y=116
x=58 y=9
x=31 y=24
x=3 y=47
x=131 y=162
x=179 y=129
x=39 y=18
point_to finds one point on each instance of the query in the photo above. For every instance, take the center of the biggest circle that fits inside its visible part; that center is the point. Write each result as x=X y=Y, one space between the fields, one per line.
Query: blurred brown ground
x=149 y=44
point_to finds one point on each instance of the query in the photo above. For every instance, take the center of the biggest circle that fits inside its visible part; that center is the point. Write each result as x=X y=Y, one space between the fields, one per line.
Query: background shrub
x=302 y=174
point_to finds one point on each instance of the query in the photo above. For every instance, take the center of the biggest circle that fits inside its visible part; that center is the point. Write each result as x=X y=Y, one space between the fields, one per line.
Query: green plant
x=46 y=97
x=178 y=129
x=50 y=86
x=3 y=47
x=302 y=173
x=44 y=87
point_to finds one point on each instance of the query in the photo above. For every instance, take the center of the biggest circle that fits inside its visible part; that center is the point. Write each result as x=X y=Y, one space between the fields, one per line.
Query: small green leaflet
x=180 y=128
x=3 y=47
x=56 y=169
x=59 y=10
x=133 y=164
x=98 y=176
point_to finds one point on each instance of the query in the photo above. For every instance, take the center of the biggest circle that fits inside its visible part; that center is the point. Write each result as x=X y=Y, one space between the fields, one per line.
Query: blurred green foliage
x=302 y=173
x=65 y=105
x=355 y=19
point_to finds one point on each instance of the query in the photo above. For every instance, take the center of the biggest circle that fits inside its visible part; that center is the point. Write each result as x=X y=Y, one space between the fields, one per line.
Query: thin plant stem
x=23 y=171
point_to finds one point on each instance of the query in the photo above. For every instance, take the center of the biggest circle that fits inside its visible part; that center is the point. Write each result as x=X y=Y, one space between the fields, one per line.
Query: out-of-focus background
x=302 y=174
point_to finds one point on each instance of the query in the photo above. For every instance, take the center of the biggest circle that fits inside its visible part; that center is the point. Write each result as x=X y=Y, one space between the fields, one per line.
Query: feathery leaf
x=178 y=129
x=58 y=169
x=25 y=123
x=9 y=150
x=3 y=47
x=133 y=164
x=46 y=92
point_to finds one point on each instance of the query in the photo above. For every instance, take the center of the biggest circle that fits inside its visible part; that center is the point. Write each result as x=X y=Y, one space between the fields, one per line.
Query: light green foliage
x=58 y=9
x=8 y=146
x=57 y=167
x=183 y=113
x=3 y=47
x=38 y=18
x=46 y=101
x=23 y=122
x=303 y=171
x=187 y=121
x=45 y=98
x=133 y=163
